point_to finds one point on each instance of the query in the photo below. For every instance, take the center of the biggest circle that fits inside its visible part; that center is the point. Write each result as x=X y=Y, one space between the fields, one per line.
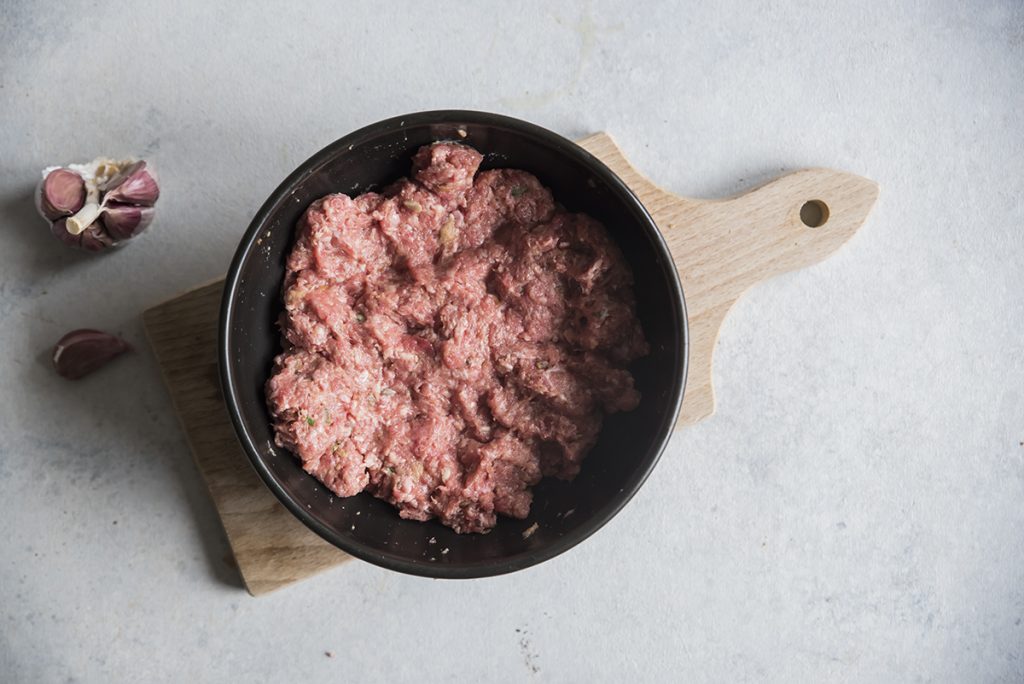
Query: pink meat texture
x=452 y=340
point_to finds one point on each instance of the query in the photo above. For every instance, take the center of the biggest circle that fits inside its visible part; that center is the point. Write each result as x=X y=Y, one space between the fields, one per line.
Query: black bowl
x=565 y=512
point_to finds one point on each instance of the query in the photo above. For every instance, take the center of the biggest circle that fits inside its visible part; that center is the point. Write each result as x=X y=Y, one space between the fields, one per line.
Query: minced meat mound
x=452 y=340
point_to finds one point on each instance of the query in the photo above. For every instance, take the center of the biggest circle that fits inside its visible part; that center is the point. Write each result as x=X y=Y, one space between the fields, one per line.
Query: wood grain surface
x=720 y=247
x=272 y=548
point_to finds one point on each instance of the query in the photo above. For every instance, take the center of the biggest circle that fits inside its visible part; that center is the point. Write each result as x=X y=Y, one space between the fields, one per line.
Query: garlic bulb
x=100 y=204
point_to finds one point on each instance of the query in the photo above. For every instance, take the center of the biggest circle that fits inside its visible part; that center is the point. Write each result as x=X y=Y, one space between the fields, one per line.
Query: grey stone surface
x=855 y=510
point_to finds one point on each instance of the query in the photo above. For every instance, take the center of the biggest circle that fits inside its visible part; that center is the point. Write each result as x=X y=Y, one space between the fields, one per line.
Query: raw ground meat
x=451 y=341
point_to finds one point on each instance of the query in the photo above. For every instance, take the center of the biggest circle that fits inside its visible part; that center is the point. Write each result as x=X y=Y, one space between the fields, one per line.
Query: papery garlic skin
x=100 y=170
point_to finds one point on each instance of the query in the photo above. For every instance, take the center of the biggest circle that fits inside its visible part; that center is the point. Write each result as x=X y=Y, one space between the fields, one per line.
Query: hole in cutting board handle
x=814 y=213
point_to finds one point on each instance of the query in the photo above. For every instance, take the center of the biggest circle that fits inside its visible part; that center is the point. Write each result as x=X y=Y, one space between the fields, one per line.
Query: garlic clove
x=95 y=239
x=81 y=352
x=59 y=228
x=135 y=184
x=60 y=193
x=125 y=221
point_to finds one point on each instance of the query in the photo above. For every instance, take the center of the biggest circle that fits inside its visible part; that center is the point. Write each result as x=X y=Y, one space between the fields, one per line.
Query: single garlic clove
x=135 y=184
x=95 y=238
x=59 y=228
x=80 y=352
x=60 y=193
x=125 y=221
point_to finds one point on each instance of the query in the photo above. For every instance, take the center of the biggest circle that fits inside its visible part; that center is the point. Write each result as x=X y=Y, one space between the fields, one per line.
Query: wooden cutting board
x=721 y=248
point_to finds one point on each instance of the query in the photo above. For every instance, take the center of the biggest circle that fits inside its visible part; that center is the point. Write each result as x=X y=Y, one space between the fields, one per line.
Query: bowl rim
x=229 y=387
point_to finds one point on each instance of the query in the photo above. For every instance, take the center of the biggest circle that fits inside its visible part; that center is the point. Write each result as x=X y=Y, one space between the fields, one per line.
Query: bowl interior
x=565 y=512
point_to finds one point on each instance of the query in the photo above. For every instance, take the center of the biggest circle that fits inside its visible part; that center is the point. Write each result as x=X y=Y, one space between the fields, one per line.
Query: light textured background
x=855 y=510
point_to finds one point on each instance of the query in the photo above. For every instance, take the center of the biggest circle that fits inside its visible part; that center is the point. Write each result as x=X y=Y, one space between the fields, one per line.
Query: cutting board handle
x=723 y=247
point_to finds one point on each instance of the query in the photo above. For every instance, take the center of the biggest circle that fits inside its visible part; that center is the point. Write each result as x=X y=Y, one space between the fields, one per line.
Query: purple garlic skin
x=60 y=231
x=81 y=352
x=95 y=239
x=135 y=184
x=125 y=221
x=92 y=239
x=61 y=193
x=98 y=205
